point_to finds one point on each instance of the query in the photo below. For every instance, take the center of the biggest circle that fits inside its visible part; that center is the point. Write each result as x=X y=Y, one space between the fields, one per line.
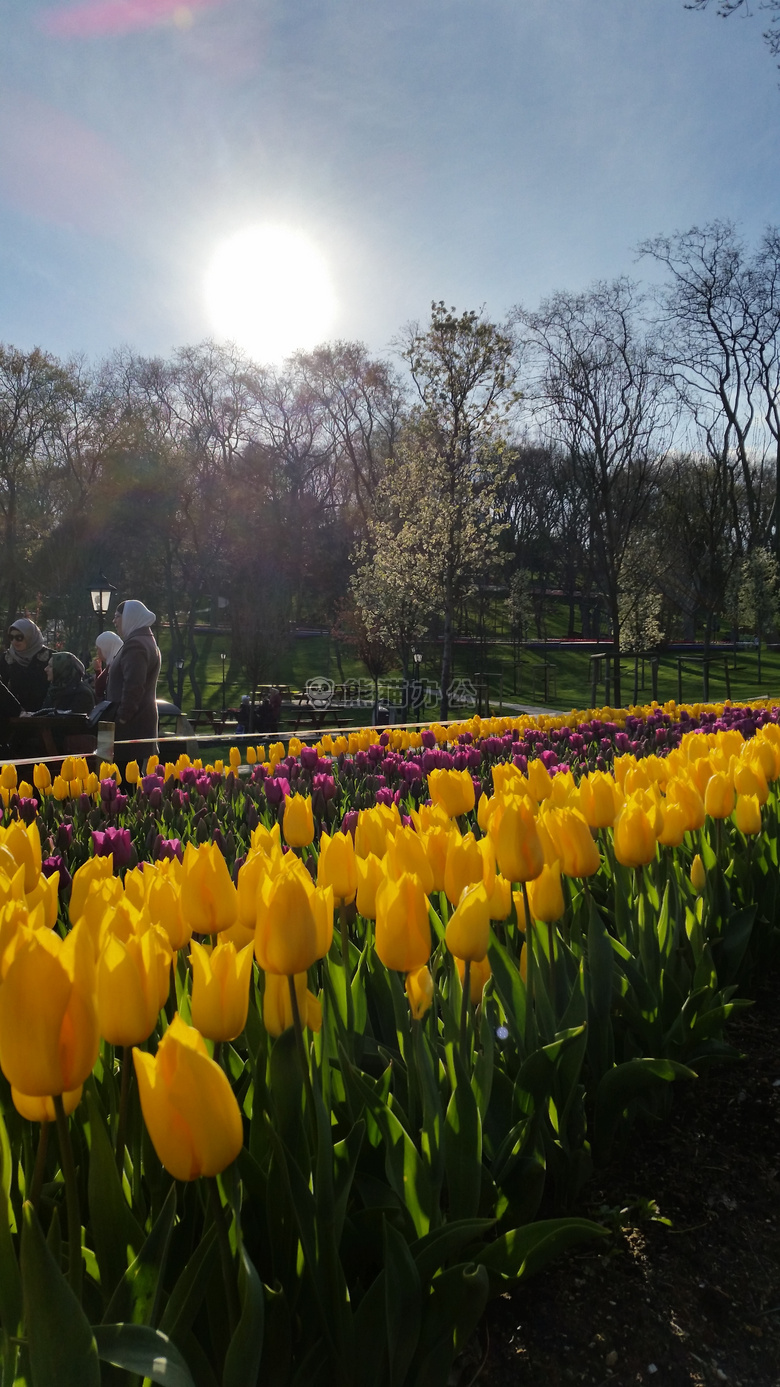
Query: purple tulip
x=113 y=840
x=169 y=848
x=108 y=788
x=309 y=758
x=276 y=788
x=349 y=822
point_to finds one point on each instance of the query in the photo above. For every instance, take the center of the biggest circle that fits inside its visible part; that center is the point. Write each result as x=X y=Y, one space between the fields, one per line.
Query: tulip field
x=307 y=1055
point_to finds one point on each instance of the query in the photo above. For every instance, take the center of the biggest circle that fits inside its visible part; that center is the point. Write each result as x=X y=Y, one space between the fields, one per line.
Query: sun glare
x=269 y=290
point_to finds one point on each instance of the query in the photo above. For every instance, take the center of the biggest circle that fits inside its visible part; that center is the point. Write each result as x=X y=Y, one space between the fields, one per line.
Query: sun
x=269 y=290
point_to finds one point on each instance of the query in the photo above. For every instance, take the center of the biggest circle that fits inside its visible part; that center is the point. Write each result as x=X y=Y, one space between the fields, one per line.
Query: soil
x=687 y=1292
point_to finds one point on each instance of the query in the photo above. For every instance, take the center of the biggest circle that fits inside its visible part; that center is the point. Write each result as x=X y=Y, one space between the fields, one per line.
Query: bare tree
x=596 y=391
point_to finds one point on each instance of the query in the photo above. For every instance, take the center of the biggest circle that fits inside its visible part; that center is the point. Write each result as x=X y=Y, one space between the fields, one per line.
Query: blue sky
x=479 y=151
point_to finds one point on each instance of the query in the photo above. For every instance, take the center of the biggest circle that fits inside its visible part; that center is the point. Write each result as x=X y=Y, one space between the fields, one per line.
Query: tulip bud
x=453 y=790
x=545 y=895
x=220 y=989
x=294 y=921
x=188 y=1106
x=634 y=837
x=337 y=866
x=479 y=974
x=370 y=875
x=277 y=1004
x=403 y=932
x=748 y=815
x=516 y=841
x=209 y=899
x=698 y=875
x=419 y=990
x=719 y=797
x=298 y=821
x=468 y=931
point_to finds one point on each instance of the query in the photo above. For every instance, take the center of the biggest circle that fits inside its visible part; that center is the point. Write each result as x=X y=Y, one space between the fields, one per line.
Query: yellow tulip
x=132 y=773
x=23 y=841
x=60 y=788
x=337 y=866
x=132 y=985
x=220 y=989
x=698 y=875
x=163 y=907
x=209 y=900
x=267 y=841
x=539 y=781
x=436 y=842
x=46 y=894
x=48 y=1020
x=479 y=974
x=685 y=793
x=298 y=821
x=370 y=875
x=598 y=801
x=750 y=780
x=235 y=757
x=545 y=895
x=42 y=777
x=419 y=990
x=468 y=931
x=719 y=797
x=634 y=836
x=189 y=1108
x=250 y=878
x=42 y=1109
x=675 y=825
x=277 y=1004
x=515 y=839
x=374 y=827
x=500 y=898
x=569 y=842
x=747 y=815
x=403 y=932
x=406 y=853
x=453 y=790
x=8 y=776
x=464 y=865
x=294 y=921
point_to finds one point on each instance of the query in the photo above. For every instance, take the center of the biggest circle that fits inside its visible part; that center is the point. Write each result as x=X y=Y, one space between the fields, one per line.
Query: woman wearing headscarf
x=23 y=667
x=132 y=683
x=108 y=645
x=69 y=691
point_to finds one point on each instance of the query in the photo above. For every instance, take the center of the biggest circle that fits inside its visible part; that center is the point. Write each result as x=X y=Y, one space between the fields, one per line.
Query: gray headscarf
x=109 y=645
x=34 y=642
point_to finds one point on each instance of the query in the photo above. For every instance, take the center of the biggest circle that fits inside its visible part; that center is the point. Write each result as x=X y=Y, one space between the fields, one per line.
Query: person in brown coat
x=132 y=684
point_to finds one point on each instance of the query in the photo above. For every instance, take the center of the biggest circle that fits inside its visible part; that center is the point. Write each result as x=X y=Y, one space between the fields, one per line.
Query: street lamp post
x=100 y=594
x=223 y=658
x=179 y=681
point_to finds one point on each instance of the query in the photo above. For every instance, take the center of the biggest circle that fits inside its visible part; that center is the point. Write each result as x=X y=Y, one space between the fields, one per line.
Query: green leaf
x=452 y=1312
x=144 y=1351
x=403 y=1295
x=462 y=1145
x=621 y=1086
x=242 y=1361
x=187 y=1295
x=113 y=1225
x=61 y=1344
x=432 y=1252
x=10 y=1279
x=600 y=967
x=509 y=986
x=137 y=1297
x=524 y=1251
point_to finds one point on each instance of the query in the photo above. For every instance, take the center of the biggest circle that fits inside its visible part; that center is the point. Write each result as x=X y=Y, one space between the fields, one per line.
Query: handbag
x=105 y=711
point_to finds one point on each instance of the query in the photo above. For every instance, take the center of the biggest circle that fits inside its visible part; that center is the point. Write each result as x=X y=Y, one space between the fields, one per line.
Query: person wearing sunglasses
x=23 y=666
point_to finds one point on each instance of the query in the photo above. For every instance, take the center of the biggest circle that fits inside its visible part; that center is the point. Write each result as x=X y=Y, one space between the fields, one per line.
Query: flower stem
x=300 y=1044
x=344 y=925
x=225 y=1254
x=124 y=1094
x=464 y=1007
x=71 y=1198
x=40 y=1165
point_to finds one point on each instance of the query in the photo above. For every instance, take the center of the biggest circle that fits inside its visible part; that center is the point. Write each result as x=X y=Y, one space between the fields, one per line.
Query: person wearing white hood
x=132 y=684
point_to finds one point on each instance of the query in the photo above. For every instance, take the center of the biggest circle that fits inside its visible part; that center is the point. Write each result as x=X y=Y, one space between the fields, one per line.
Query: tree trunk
x=446 y=649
